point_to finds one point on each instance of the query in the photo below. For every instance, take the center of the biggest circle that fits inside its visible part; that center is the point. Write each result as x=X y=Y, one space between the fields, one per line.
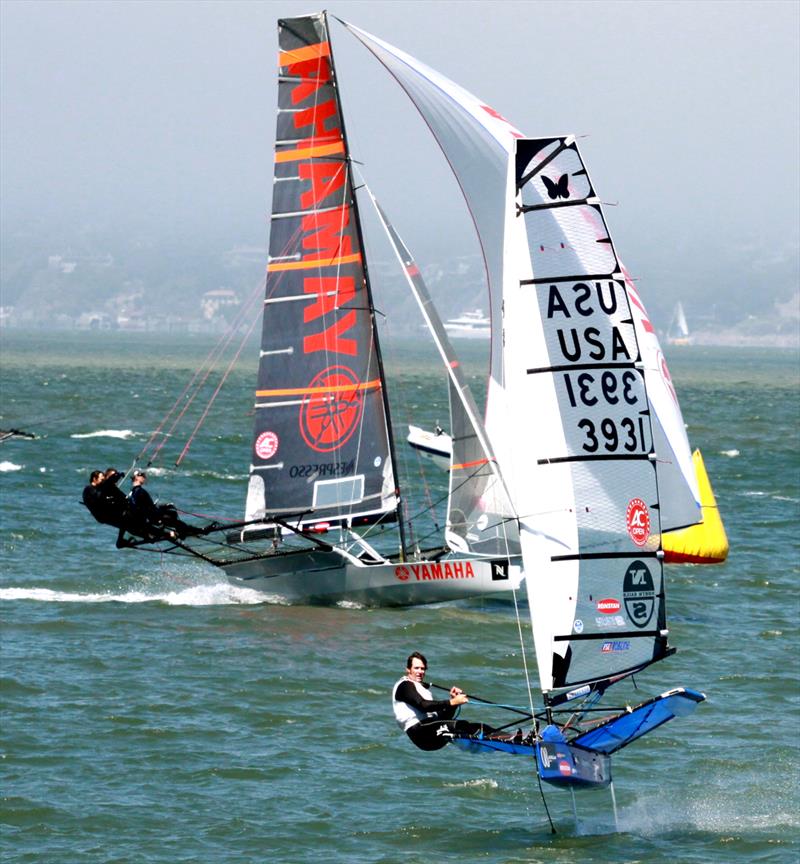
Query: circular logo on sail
x=266 y=445
x=637 y=518
x=639 y=594
x=331 y=408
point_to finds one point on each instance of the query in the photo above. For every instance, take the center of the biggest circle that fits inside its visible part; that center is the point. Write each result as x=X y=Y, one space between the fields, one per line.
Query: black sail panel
x=321 y=441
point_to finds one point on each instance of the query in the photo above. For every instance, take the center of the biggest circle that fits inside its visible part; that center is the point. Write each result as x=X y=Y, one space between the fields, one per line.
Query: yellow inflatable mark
x=706 y=542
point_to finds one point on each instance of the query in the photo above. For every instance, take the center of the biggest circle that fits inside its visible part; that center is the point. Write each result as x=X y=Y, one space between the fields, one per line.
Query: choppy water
x=152 y=713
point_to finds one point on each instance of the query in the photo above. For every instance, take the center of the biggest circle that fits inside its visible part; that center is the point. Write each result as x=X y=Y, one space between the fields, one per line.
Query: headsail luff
x=481 y=519
x=478 y=144
x=321 y=442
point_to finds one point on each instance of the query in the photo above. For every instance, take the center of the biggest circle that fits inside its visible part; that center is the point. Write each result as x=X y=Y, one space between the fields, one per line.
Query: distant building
x=214 y=302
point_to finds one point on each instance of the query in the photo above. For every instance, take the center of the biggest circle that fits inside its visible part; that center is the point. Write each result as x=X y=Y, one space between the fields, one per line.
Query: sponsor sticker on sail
x=266 y=445
x=608 y=605
x=332 y=409
x=637 y=520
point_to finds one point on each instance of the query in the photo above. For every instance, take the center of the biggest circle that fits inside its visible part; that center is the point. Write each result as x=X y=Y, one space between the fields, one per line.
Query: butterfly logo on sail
x=558 y=188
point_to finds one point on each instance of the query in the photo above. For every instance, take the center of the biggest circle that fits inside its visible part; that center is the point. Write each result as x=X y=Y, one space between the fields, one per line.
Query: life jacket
x=407 y=715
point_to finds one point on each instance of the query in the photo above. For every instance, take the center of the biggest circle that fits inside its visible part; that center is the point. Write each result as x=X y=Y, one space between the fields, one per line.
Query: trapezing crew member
x=430 y=722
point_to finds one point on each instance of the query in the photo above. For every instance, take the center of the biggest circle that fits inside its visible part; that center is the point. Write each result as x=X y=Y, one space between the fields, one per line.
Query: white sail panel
x=477 y=142
x=680 y=493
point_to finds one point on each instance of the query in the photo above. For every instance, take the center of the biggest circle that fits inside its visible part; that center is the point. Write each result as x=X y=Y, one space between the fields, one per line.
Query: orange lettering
x=326 y=240
x=332 y=292
x=316 y=117
x=330 y=340
x=325 y=179
x=314 y=72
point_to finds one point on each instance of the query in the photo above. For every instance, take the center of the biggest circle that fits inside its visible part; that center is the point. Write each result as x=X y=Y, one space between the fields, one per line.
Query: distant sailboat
x=678 y=330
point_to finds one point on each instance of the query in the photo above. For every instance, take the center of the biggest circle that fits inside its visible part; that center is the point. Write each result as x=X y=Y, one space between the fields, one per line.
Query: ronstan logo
x=266 y=445
x=608 y=606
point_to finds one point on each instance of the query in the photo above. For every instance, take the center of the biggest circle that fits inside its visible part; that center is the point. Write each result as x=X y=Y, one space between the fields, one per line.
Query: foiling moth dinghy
x=583 y=421
x=571 y=751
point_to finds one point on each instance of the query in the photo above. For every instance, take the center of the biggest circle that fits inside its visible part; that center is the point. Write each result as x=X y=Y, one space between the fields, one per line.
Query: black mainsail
x=321 y=443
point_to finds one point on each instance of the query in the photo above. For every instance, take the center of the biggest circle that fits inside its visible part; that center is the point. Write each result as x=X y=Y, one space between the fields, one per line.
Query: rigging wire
x=215 y=393
x=196 y=386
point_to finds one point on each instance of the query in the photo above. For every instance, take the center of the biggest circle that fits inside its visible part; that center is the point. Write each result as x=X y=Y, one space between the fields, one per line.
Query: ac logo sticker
x=637 y=521
x=639 y=594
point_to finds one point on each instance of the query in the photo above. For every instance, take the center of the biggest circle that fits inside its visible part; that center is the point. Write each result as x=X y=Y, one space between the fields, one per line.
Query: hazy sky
x=162 y=113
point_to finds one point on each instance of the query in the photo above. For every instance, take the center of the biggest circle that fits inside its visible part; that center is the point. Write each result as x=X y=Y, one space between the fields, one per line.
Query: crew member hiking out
x=108 y=504
x=430 y=723
x=159 y=518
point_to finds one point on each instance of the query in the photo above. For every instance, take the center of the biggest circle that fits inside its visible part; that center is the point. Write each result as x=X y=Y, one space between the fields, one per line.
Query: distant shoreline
x=735 y=339
x=699 y=339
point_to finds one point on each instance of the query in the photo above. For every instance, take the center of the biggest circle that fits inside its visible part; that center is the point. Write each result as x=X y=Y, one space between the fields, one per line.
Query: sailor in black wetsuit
x=107 y=503
x=160 y=518
x=430 y=722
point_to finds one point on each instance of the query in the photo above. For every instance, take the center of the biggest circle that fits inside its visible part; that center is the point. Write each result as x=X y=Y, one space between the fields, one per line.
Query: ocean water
x=152 y=713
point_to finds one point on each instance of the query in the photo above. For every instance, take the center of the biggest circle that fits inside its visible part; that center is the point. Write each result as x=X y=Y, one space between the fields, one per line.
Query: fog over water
x=160 y=116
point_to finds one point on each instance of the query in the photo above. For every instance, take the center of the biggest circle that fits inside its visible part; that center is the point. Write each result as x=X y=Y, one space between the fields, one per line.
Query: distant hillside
x=78 y=276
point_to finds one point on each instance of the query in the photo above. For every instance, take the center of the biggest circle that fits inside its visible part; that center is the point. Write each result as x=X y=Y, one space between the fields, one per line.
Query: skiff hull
x=325 y=578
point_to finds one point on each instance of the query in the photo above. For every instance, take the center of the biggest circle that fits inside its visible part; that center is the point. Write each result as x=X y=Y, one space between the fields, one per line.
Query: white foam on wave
x=478 y=783
x=105 y=433
x=713 y=811
x=731 y=453
x=10 y=466
x=216 y=594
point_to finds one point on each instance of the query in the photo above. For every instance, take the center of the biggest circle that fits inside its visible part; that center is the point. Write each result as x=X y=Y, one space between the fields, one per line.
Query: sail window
x=336 y=493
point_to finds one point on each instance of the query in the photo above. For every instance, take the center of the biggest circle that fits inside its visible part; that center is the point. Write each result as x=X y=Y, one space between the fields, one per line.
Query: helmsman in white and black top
x=430 y=722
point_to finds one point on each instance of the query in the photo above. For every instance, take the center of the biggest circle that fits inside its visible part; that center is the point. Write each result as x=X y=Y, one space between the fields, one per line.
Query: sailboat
x=583 y=421
x=678 y=330
x=324 y=515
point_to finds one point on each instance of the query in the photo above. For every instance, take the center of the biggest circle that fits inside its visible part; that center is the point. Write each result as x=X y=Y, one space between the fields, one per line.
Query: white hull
x=325 y=578
x=432 y=446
